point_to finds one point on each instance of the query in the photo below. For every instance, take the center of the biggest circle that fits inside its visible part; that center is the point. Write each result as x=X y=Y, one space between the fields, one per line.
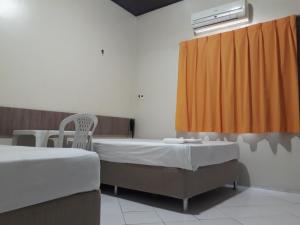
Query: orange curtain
x=240 y=81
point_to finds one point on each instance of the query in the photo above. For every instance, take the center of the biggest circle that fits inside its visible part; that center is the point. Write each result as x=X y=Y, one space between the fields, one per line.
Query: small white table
x=41 y=136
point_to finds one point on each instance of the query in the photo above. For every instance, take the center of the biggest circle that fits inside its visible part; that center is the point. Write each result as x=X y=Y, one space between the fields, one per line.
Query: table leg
x=41 y=140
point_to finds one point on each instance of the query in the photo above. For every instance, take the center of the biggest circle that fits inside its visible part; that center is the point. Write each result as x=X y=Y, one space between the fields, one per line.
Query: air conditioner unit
x=231 y=13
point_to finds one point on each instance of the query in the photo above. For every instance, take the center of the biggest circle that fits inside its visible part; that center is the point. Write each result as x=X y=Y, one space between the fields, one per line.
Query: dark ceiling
x=139 y=7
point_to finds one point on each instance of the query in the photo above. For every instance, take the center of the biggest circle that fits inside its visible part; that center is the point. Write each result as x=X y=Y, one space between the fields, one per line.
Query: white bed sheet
x=29 y=176
x=157 y=153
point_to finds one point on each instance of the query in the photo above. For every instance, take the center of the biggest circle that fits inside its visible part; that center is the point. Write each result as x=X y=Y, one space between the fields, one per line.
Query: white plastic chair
x=85 y=125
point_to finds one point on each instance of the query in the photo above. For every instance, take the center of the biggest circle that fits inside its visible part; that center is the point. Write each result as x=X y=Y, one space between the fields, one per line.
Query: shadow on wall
x=274 y=140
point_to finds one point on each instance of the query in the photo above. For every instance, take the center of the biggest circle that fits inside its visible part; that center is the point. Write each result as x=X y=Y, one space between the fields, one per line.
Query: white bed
x=158 y=153
x=30 y=176
x=176 y=170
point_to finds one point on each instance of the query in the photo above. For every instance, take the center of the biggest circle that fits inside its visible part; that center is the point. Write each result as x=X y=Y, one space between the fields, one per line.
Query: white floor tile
x=112 y=220
x=171 y=216
x=254 y=211
x=151 y=224
x=290 y=197
x=254 y=197
x=111 y=213
x=248 y=207
x=295 y=210
x=130 y=206
x=273 y=220
x=111 y=210
x=141 y=217
x=220 y=222
x=184 y=223
x=212 y=213
x=111 y=216
x=107 y=199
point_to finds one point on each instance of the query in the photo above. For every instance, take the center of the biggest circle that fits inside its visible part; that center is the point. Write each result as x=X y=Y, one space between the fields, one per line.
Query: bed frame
x=79 y=209
x=172 y=182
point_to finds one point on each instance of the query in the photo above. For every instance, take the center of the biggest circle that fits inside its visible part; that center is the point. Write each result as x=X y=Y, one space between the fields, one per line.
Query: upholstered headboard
x=29 y=119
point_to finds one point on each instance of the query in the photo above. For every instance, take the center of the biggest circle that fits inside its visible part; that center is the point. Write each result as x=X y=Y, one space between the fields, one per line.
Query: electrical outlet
x=141 y=96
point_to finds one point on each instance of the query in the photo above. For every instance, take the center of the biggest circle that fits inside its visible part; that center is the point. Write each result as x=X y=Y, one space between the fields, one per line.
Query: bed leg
x=235 y=185
x=116 y=190
x=185 y=204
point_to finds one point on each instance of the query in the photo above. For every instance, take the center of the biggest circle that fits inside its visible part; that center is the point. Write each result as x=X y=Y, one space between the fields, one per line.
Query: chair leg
x=185 y=204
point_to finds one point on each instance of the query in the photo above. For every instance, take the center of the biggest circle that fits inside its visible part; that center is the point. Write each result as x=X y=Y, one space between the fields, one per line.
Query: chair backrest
x=85 y=125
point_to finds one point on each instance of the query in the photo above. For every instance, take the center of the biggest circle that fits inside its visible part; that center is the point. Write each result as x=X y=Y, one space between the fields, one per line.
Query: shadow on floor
x=197 y=204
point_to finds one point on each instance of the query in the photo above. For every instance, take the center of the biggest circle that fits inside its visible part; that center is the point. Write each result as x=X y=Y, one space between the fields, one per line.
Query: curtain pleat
x=240 y=81
x=228 y=100
x=201 y=79
x=191 y=81
x=183 y=122
x=286 y=34
x=256 y=55
x=213 y=81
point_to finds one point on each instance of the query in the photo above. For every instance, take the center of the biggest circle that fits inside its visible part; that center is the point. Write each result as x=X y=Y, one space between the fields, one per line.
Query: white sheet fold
x=173 y=140
x=181 y=140
x=157 y=153
x=30 y=175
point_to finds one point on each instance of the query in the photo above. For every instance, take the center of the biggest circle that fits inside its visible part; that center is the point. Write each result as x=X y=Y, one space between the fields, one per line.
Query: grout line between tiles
x=220 y=219
x=282 y=203
x=237 y=220
x=119 y=203
x=155 y=211
x=118 y=199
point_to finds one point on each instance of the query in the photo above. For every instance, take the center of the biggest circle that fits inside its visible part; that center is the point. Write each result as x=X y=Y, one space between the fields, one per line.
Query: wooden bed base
x=79 y=209
x=172 y=182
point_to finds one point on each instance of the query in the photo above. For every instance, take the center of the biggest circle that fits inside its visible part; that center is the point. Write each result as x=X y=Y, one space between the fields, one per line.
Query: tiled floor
x=219 y=207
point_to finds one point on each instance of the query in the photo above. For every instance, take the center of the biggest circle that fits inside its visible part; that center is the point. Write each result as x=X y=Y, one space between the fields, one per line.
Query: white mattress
x=29 y=176
x=157 y=153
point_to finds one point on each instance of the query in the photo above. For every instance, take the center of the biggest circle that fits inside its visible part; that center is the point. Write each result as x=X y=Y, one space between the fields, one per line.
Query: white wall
x=50 y=56
x=50 y=48
x=274 y=162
